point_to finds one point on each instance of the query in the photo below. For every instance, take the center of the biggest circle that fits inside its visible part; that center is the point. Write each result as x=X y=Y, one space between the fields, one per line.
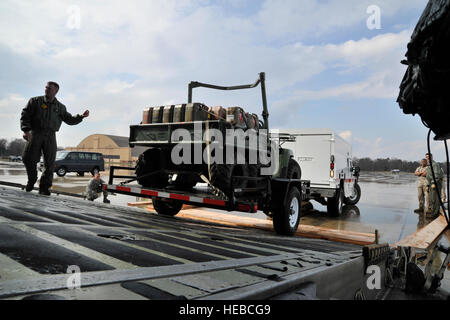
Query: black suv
x=78 y=161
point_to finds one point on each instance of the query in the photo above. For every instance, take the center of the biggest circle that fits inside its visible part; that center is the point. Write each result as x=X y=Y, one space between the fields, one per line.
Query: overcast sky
x=325 y=67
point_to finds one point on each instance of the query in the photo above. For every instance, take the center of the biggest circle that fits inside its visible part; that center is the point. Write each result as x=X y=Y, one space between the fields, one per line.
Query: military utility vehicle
x=244 y=167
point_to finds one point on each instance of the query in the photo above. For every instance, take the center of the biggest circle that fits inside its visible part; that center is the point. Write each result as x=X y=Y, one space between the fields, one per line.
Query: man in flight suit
x=40 y=119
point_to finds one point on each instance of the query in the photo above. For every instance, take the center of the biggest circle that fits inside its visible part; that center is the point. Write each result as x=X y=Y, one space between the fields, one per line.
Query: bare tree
x=3 y=147
x=15 y=147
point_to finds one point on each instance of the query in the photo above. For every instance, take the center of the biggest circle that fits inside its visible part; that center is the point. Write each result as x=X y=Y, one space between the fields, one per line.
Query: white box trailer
x=326 y=160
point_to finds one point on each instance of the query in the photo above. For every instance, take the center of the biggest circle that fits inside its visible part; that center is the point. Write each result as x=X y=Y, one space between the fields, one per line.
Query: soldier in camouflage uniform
x=95 y=187
x=422 y=187
x=40 y=119
x=435 y=188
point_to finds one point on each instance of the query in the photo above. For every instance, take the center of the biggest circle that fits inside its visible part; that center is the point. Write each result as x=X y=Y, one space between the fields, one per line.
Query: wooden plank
x=139 y=203
x=423 y=238
x=307 y=231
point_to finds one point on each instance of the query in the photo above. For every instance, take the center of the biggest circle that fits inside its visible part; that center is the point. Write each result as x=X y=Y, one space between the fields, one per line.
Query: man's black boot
x=29 y=187
x=44 y=192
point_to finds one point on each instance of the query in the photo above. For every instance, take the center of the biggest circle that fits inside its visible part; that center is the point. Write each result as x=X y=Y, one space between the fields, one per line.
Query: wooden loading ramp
x=306 y=231
x=425 y=237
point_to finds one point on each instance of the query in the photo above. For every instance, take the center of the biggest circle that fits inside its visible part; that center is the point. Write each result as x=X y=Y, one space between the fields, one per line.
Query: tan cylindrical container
x=168 y=114
x=219 y=112
x=235 y=116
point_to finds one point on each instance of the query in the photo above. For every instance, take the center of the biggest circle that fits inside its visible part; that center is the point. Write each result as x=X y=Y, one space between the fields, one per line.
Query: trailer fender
x=280 y=188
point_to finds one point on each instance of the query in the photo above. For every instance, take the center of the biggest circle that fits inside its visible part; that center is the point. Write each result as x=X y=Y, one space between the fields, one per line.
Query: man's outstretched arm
x=73 y=120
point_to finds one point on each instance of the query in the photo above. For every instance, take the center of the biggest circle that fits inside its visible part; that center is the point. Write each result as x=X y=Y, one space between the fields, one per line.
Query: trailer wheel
x=287 y=218
x=167 y=208
x=355 y=199
x=336 y=203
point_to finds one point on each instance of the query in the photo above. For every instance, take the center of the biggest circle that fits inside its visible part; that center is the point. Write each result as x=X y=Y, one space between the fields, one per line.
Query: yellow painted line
x=111 y=261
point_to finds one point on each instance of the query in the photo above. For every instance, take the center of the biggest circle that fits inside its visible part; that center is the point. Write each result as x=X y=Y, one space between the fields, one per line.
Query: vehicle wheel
x=167 y=208
x=294 y=171
x=287 y=218
x=148 y=162
x=61 y=172
x=81 y=174
x=355 y=198
x=336 y=203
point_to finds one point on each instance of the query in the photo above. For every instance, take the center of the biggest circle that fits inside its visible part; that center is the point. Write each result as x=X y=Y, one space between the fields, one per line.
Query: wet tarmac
x=387 y=203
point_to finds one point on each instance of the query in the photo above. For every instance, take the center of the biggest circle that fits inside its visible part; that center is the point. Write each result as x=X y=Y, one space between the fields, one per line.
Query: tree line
x=11 y=148
x=368 y=164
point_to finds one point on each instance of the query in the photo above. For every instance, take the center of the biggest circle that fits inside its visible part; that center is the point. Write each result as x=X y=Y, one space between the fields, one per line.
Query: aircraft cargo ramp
x=51 y=245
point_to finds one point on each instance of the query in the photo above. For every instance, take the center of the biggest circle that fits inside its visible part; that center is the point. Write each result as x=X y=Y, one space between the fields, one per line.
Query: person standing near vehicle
x=435 y=188
x=95 y=187
x=422 y=187
x=40 y=119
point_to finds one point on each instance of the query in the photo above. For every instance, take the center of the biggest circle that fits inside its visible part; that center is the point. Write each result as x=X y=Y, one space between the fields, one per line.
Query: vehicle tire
x=287 y=218
x=94 y=171
x=294 y=171
x=221 y=176
x=61 y=171
x=151 y=161
x=167 y=208
x=355 y=199
x=80 y=174
x=336 y=203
